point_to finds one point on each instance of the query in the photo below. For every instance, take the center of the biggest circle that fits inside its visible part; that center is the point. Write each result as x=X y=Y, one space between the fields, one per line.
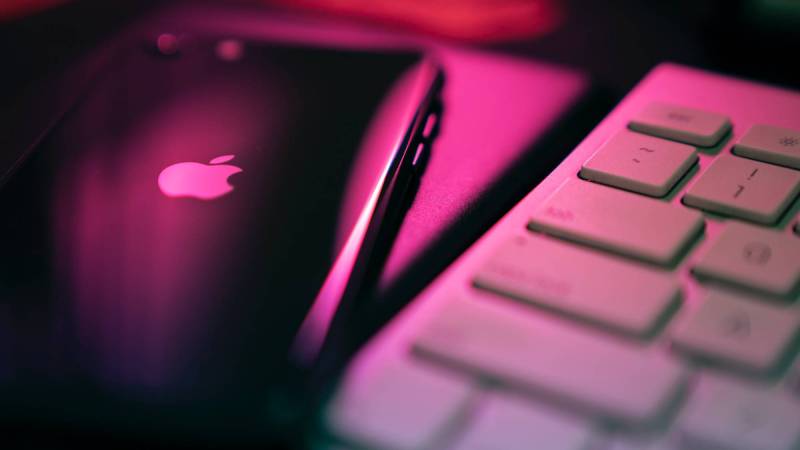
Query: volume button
x=430 y=126
x=419 y=155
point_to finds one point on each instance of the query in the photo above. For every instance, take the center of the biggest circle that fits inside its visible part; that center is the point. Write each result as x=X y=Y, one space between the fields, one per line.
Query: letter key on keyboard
x=743 y=331
x=573 y=280
x=681 y=124
x=509 y=423
x=771 y=144
x=398 y=404
x=724 y=413
x=640 y=163
x=540 y=355
x=619 y=221
x=744 y=188
x=755 y=257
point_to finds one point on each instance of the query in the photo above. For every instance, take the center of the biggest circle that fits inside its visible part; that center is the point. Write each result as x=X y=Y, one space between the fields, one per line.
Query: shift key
x=618 y=221
x=580 y=282
x=534 y=354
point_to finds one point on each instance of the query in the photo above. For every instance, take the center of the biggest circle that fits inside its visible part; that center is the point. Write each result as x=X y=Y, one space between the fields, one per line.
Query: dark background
x=616 y=41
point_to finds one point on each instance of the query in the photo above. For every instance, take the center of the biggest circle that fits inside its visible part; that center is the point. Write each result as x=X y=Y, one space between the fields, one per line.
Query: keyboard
x=643 y=296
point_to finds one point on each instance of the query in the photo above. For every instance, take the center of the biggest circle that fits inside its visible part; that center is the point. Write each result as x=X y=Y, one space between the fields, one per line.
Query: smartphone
x=182 y=245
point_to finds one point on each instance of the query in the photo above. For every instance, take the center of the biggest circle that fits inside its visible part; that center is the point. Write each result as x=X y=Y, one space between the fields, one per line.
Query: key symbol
x=789 y=141
x=562 y=214
x=679 y=117
x=751 y=419
x=736 y=325
x=643 y=149
x=757 y=253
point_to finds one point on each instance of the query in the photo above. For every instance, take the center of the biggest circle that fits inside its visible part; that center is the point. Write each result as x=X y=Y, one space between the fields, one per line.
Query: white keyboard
x=643 y=296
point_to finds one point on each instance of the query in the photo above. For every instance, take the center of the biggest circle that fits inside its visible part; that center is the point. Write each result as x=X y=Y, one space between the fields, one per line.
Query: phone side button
x=430 y=126
x=419 y=155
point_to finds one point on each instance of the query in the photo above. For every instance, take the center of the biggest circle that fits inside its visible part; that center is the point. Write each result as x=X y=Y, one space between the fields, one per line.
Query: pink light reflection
x=383 y=133
x=315 y=326
x=222 y=159
x=191 y=179
x=135 y=333
x=495 y=108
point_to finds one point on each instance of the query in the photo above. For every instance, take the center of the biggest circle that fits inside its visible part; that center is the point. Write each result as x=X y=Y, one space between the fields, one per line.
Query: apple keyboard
x=643 y=296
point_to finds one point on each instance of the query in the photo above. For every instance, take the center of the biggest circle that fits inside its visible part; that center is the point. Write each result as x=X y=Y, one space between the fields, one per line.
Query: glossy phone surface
x=165 y=247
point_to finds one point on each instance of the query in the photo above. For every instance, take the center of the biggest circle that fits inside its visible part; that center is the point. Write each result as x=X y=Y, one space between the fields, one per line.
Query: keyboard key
x=399 y=405
x=621 y=381
x=507 y=423
x=640 y=163
x=681 y=124
x=724 y=413
x=580 y=282
x=745 y=332
x=639 y=441
x=755 y=257
x=744 y=188
x=619 y=221
x=791 y=382
x=771 y=144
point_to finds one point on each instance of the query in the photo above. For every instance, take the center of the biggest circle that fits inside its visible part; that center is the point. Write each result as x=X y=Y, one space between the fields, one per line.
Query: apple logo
x=196 y=180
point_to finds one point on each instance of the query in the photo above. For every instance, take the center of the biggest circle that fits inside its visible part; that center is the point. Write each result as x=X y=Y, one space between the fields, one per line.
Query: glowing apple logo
x=196 y=180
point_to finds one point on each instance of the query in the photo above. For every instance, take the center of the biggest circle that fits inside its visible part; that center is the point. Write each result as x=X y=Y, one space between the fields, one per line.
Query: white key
x=640 y=163
x=504 y=342
x=746 y=332
x=744 y=188
x=618 y=221
x=791 y=382
x=752 y=256
x=729 y=414
x=639 y=441
x=508 y=423
x=580 y=282
x=397 y=405
x=771 y=144
x=681 y=124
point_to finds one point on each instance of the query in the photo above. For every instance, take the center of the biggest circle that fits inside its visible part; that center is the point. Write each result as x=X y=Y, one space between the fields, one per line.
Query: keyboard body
x=621 y=304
